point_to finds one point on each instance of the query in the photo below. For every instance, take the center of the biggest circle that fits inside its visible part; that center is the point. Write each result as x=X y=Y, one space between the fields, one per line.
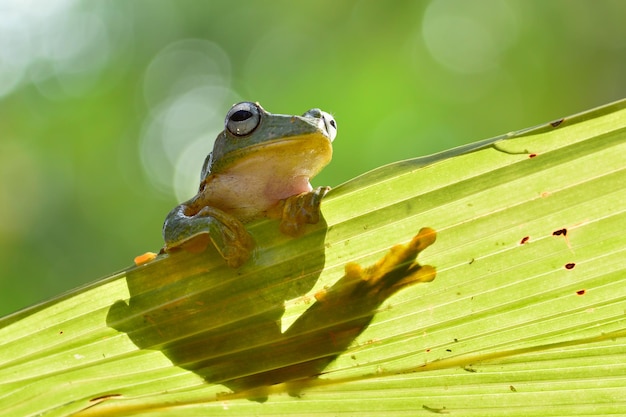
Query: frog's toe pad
x=236 y=252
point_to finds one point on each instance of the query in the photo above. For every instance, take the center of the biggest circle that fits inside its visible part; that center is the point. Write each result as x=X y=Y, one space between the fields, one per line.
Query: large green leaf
x=525 y=317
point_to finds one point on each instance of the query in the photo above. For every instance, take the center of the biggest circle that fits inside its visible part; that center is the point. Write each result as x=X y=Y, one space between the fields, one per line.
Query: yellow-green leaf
x=525 y=317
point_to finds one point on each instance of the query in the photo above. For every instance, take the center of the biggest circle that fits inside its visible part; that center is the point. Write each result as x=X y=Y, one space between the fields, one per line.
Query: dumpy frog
x=260 y=166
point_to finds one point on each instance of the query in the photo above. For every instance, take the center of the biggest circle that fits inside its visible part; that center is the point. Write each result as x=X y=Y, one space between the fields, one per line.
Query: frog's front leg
x=301 y=209
x=227 y=233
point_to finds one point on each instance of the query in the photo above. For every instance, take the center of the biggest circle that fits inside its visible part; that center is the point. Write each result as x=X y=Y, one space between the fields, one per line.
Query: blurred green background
x=108 y=108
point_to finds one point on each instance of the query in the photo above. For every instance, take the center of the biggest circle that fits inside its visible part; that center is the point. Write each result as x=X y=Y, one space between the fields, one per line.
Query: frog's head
x=294 y=145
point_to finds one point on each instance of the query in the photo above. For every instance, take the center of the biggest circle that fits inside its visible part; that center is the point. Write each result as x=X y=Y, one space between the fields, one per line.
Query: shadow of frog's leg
x=228 y=234
x=340 y=314
x=358 y=294
x=395 y=271
x=301 y=209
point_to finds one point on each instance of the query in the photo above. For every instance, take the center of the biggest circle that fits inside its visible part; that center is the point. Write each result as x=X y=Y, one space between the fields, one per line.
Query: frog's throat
x=309 y=153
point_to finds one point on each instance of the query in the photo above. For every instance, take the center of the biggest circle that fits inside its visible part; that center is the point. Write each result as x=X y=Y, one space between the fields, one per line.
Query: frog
x=260 y=166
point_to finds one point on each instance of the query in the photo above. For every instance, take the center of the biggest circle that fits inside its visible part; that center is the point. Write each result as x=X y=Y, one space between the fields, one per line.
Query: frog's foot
x=301 y=209
x=229 y=236
x=238 y=251
x=194 y=233
x=395 y=271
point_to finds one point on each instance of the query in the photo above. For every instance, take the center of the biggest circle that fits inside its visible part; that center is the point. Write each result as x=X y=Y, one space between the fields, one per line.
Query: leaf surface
x=525 y=317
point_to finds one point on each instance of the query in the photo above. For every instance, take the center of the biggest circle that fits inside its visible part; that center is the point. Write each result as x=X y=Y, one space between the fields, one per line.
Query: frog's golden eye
x=243 y=118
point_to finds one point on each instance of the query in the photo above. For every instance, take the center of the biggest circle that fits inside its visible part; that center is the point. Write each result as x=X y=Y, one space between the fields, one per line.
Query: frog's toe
x=236 y=257
x=300 y=210
x=311 y=204
x=237 y=251
x=318 y=194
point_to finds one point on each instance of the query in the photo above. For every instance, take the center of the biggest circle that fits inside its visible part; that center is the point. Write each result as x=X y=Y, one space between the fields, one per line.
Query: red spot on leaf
x=532 y=155
x=560 y=232
x=524 y=240
x=570 y=265
x=581 y=292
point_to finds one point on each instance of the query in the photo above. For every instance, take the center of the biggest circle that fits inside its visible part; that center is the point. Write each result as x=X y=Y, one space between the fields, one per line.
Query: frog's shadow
x=222 y=324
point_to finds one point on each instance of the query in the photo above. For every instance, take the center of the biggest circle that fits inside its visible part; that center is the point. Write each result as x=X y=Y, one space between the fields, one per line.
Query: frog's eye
x=331 y=125
x=243 y=118
x=326 y=119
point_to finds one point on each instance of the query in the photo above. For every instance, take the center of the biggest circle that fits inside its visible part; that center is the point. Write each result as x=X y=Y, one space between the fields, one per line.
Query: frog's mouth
x=287 y=157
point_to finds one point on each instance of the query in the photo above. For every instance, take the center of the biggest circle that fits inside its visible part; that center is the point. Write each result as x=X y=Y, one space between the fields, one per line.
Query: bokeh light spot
x=40 y=40
x=467 y=37
x=20 y=201
x=187 y=90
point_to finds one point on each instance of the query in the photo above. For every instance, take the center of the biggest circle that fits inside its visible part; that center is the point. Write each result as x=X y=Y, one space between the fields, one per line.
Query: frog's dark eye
x=331 y=125
x=328 y=122
x=243 y=118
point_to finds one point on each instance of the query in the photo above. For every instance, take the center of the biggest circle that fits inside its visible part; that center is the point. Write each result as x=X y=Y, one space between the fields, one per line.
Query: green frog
x=260 y=166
